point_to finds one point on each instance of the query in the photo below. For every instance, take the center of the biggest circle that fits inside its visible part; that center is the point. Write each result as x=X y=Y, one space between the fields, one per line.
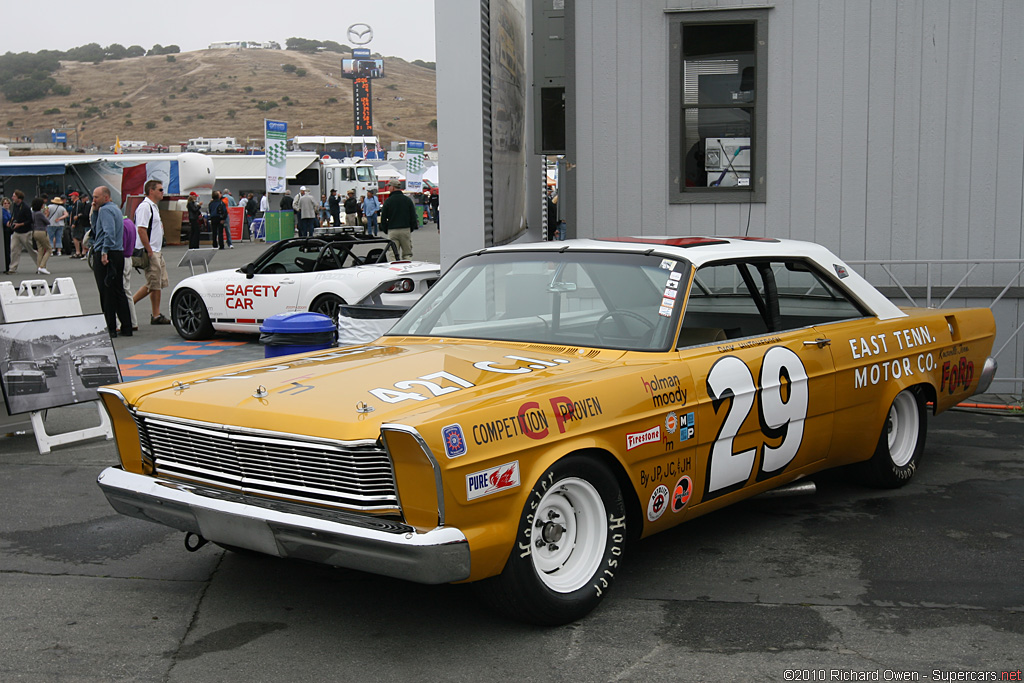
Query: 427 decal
x=781 y=417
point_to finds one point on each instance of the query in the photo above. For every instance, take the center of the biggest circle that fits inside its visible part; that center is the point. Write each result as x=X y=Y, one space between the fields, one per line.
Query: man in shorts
x=150 y=237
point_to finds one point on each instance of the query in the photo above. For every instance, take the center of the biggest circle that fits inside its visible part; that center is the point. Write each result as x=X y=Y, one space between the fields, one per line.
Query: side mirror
x=250 y=271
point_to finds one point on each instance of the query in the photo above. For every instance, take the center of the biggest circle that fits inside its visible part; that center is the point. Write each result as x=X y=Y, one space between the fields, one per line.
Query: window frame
x=756 y=191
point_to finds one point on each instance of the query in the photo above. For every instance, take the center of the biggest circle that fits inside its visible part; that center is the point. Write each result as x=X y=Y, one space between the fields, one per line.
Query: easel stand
x=34 y=300
x=45 y=442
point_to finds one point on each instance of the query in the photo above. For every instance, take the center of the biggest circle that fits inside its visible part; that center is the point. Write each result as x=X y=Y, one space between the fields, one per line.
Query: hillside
x=215 y=93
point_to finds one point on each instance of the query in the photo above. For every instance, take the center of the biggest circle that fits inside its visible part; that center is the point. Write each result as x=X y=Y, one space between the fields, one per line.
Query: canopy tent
x=388 y=172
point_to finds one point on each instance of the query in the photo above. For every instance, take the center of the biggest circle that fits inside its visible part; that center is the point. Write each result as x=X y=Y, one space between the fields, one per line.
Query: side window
x=720 y=306
x=748 y=298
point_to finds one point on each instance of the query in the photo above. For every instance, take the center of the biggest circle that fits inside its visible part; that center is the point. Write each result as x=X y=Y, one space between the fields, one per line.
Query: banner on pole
x=414 y=165
x=362 y=107
x=276 y=146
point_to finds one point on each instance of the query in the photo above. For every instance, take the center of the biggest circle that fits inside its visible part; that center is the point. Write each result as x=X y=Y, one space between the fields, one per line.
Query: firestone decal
x=454 y=440
x=493 y=480
x=658 y=503
x=637 y=439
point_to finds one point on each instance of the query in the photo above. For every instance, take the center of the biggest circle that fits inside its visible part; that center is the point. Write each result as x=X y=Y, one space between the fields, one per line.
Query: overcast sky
x=403 y=28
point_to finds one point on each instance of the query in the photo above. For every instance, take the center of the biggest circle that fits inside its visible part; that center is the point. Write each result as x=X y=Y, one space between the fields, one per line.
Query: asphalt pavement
x=846 y=584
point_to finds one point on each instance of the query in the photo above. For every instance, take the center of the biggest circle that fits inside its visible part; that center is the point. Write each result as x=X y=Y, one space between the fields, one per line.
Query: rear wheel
x=901 y=444
x=572 y=537
x=329 y=305
x=190 y=317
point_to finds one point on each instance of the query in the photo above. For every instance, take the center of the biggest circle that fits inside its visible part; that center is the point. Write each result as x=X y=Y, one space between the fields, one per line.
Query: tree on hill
x=306 y=45
x=159 y=49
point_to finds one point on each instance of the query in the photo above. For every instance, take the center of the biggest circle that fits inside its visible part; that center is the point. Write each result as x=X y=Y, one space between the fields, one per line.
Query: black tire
x=190 y=317
x=901 y=443
x=327 y=304
x=552 y=587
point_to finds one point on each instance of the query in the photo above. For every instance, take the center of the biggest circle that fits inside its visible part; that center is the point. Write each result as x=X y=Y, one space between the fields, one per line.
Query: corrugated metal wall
x=895 y=130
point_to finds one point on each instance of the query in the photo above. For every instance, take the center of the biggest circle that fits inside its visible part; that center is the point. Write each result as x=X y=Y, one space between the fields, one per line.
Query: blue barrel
x=287 y=333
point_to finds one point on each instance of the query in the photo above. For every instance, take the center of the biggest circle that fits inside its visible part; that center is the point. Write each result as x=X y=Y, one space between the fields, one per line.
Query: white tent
x=430 y=175
x=387 y=172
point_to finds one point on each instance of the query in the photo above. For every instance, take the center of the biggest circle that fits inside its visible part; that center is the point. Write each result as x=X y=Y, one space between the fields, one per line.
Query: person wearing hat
x=351 y=208
x=58 y=220
x=334 y=205
x=398 y=219
x=371 y=207
x=195 y=219
x=308 y=210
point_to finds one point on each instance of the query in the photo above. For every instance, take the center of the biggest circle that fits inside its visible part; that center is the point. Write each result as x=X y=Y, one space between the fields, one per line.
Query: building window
x=718 y=102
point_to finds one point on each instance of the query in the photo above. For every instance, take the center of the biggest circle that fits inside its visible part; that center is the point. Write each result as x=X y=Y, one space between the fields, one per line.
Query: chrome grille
x=353 y=475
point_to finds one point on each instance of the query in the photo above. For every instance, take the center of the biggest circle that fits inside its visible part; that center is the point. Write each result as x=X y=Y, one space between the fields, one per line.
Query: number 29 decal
x=781 y=416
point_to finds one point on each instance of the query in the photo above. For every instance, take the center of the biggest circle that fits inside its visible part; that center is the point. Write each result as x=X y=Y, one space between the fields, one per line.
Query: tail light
x=401 y=286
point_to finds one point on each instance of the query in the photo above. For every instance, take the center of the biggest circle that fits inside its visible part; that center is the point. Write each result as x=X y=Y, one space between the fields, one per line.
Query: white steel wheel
x=902 y=428
x=569 y=547
x=569 y=535
x=901 y=443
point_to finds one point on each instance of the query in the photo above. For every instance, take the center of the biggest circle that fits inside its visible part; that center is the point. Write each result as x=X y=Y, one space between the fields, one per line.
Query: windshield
x=609 y=300
x=364 y=174
x=22 y=365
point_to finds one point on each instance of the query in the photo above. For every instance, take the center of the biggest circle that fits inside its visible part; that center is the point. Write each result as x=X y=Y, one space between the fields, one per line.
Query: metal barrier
x=931 y=290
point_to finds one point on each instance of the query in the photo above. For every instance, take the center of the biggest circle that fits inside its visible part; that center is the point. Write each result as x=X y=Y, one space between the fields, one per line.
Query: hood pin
x=363 y=408
x=261 y=392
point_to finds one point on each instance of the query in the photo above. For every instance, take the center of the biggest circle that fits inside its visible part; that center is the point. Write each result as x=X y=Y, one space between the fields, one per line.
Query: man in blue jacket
x=108 y=261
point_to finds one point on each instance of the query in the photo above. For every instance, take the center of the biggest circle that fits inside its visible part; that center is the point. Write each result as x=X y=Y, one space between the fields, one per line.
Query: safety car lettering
x=492 y=480
x=241 y=296
x=730 y=380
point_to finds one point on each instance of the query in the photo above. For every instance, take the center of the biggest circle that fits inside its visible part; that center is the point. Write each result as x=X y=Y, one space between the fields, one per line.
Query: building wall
x=894 y=131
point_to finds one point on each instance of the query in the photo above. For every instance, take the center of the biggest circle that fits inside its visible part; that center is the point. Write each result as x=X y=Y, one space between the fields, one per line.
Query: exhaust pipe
x=803 y=488
x=194 y=542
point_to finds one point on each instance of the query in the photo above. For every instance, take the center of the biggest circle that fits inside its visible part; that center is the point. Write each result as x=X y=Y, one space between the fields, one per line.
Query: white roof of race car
x=700 y=250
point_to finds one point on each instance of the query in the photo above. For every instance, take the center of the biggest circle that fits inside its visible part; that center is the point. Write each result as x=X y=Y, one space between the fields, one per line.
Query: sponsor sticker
x=637 y=439
x=675 y=275
x=686 y=427
x=454 y=440
x=670 y=293
x=671 y=422
x=668 y=302
x=681 y=493
x=840 y=271
x=672 y=284
x=658 y=503
x=667 y=264
x=493 y=480
x=665 y=311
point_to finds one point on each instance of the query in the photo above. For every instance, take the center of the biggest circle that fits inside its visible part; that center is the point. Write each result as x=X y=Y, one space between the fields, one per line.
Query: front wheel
x=190 y=317
x=901 y=443
x=572 y=537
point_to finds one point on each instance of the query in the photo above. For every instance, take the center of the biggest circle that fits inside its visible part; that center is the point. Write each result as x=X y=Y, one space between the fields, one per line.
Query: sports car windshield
x=596 y=299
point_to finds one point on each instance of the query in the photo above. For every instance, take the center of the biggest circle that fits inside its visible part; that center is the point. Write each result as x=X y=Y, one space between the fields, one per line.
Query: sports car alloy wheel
x=328 y=305
x=570 y=543
x=188 y=312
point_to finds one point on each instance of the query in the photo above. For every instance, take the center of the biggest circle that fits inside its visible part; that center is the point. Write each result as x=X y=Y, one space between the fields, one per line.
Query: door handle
x=289 y=281
x=821 y=342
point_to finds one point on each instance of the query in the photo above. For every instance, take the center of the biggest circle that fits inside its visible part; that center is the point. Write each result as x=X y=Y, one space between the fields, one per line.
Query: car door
x=277 y=283
x=765 y=388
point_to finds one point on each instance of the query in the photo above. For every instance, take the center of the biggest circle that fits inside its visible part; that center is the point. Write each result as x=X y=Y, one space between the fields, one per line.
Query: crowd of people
x=45 y=227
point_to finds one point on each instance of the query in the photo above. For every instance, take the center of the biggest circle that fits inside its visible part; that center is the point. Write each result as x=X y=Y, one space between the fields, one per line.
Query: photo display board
x=55 y=362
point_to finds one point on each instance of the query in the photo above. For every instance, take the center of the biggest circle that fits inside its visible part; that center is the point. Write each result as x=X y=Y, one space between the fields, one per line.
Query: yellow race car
x=544 y=406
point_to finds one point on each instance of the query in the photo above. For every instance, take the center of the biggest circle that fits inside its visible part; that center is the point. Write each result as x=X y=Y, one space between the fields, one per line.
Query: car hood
x=347 y=393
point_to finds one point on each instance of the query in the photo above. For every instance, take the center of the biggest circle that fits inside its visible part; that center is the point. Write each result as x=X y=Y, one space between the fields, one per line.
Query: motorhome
x=228 y=145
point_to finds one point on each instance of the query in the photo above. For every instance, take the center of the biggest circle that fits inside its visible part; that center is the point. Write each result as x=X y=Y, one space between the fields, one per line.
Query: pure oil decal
x=486 y=482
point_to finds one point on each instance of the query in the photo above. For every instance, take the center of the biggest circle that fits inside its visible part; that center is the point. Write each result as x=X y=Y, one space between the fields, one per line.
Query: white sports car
x=316 y=274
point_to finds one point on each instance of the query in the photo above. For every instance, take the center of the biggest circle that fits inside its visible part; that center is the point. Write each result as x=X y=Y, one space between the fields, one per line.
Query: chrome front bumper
x=338 y=539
